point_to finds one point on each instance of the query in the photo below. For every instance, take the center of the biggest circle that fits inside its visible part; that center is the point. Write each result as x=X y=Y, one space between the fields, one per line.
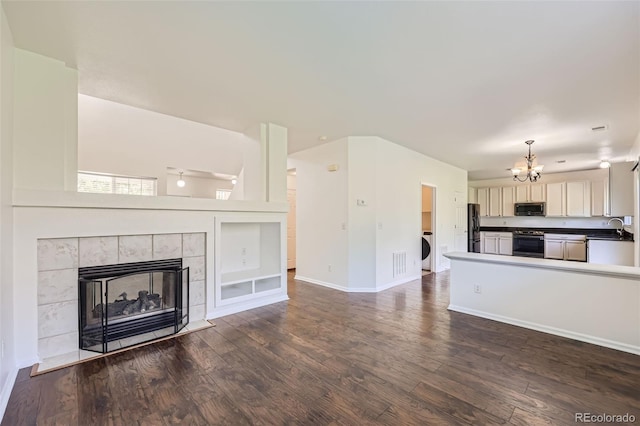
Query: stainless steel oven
x=528 y=243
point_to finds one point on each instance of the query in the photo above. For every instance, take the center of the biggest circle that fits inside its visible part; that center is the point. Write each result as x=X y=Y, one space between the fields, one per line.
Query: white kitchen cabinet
x=553 y=249
x=575 y=250
x=531 y=193
x=472 y=195
x=556 y=199
x=537 y=192
x=508 y=198
x=522 y=193
x=578 y=199
x=599 y=198
x=621 y=189
x=565 y=247
x=495 y=202
x=610 y=252
x=483 y=200
x=496 y=243
x=505 y=244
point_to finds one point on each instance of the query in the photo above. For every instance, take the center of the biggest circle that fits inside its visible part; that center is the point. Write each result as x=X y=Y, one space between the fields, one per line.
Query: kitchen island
x=598 y=304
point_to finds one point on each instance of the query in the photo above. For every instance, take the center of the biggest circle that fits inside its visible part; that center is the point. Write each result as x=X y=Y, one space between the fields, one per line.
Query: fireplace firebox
x=128 y=304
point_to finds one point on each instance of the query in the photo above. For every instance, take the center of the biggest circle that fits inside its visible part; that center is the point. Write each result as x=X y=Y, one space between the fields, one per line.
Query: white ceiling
x=463 y=82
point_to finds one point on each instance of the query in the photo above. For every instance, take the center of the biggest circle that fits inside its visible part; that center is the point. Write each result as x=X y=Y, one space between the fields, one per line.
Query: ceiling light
x=533 y=172
x=604 y=164
x=181 y=183
x=323 y=138
x=234 y=181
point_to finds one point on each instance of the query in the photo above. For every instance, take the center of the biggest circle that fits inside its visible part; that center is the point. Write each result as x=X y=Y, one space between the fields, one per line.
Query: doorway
x=427 y=222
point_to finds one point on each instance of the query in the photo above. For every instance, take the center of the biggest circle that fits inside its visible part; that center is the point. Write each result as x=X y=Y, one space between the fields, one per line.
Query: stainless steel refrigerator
x=473 y=228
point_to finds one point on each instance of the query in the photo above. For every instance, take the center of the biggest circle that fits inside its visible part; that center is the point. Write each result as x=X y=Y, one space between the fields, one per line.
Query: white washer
x=426 y=250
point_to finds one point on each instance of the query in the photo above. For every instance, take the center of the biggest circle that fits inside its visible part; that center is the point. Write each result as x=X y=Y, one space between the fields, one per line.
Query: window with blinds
x=102 y=183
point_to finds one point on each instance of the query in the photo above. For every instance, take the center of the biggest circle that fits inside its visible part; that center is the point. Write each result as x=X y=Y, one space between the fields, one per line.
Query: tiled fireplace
x=58 y=263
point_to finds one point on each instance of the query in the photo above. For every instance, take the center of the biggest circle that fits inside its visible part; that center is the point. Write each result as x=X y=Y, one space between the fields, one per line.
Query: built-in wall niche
x=250 y=261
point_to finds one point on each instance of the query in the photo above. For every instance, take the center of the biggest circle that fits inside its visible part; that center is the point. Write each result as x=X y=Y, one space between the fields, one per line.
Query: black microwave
x=529 y=209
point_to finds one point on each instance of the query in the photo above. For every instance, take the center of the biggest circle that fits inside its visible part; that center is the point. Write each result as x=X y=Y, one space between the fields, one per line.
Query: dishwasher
x=565 y=247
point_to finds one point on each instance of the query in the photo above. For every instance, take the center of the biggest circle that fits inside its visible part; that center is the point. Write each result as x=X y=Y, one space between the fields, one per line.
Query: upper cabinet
x=572 y=194
x=579 y=199
x=600 y=197
x=508 y=199
x=483 y=200
x=556 y=199
x=569 y=199
x=495 y=202
x=621 y=189
x=530 y=193
x=472 y=196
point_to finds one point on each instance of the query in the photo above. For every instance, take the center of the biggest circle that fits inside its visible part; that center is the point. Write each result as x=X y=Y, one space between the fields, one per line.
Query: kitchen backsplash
x=550 y=222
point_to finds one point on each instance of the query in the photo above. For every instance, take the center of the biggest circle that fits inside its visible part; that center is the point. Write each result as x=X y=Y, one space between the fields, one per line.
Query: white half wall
x=8 y=368
x=120 y=139
x=598 y=304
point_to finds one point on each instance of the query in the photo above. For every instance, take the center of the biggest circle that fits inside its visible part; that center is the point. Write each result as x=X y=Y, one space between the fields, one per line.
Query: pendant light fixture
x=533 y=173
x=181 y=183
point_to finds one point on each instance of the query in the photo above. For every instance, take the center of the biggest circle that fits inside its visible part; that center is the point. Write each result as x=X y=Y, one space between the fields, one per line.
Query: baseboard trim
x=624 y=347
x=245 y=306
x=5 y=392
x=357 y=289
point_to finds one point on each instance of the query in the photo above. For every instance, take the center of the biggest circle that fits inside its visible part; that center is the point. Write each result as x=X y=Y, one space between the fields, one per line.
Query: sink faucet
x=621 y=230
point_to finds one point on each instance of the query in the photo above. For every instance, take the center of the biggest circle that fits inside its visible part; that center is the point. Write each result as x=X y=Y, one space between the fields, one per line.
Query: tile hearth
x=79 y=355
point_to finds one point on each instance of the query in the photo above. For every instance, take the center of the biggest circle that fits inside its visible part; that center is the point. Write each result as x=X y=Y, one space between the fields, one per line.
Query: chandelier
x=533 y=172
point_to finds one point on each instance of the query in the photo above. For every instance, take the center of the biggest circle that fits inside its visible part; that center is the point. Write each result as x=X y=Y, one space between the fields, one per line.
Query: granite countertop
x=592 y=234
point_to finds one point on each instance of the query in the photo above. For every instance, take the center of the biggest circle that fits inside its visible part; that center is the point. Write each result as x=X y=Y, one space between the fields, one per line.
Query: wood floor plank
x=331 y=358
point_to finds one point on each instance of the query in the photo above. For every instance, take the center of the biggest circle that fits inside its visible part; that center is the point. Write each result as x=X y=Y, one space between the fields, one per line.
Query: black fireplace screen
x=128 y=304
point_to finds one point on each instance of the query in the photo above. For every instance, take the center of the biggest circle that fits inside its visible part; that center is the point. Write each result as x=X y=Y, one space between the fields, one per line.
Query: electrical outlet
x=329 y=268
x=477 y=288
x=244 y=251
x=244 y=262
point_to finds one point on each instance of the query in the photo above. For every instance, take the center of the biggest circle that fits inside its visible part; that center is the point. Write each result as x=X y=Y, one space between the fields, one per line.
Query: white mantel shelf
x=69 y=199
x=630 y=272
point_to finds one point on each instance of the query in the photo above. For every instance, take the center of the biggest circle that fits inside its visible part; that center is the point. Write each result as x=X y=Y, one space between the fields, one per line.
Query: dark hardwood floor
x=327 y=357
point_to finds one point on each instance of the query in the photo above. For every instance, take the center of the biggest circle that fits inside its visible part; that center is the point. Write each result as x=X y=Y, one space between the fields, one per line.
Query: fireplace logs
x=144 y=302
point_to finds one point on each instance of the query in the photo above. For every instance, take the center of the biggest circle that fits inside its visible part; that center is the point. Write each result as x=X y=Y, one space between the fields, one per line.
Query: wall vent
x=399 y=263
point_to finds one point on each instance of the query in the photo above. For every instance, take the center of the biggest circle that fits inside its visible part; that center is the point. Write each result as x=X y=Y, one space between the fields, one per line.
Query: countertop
x=592 y=234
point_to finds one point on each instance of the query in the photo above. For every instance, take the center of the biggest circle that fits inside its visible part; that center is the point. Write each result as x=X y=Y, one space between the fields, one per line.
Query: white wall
x=400 y=174
x=116 y=138
x=388 y=178
x=45 y=123
x=363 y=185
x=322 y=215
x=7 y=358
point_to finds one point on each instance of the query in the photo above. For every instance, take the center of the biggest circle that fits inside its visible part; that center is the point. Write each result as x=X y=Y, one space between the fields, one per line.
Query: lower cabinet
x=497 y=243
x=566 y=248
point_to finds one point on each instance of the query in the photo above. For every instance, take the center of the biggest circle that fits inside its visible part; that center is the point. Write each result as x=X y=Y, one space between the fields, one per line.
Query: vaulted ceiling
x=464 y=82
